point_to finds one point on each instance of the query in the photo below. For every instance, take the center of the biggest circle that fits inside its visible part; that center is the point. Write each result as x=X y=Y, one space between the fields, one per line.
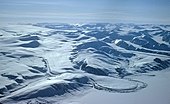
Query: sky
x=85 y=11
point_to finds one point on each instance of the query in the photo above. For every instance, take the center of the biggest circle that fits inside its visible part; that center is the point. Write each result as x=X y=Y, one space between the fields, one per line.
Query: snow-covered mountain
x=40 y=63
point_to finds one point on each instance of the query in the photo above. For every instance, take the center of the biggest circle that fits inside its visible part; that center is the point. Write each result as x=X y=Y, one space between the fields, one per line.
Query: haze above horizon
x=80 y=11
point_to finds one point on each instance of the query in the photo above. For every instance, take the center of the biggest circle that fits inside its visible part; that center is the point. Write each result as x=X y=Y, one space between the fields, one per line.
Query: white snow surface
x=56 y=63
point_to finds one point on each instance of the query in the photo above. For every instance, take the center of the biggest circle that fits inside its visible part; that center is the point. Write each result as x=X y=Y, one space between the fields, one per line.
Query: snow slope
x=52 y=61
